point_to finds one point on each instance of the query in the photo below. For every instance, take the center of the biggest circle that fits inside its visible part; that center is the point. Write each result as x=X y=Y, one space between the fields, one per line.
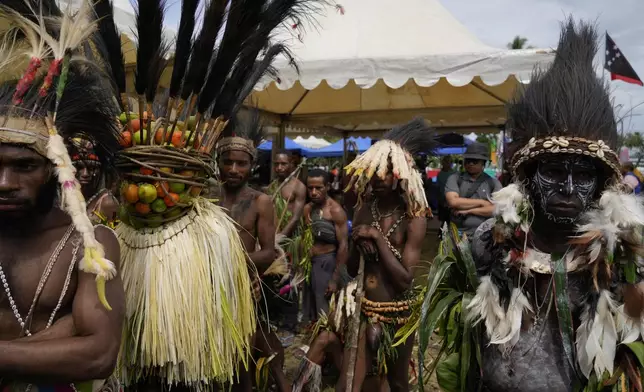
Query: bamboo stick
x=166 y=119
x=126 y=106
x=141 y=128
x=290 y=176
x=149 y=124
x=279 y=222
x=354 y=328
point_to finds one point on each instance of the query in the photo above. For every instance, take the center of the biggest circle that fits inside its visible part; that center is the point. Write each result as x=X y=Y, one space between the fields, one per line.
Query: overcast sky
x=496 y=22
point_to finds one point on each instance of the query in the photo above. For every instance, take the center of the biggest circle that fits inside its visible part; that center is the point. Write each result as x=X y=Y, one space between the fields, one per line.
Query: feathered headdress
x=566 y=109
x=246 y=134
x=57 y=97
x=211 y=77
x=395 y=153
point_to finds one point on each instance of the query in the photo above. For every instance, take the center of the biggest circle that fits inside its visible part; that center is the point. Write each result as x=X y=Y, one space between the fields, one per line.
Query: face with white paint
x=564 y=187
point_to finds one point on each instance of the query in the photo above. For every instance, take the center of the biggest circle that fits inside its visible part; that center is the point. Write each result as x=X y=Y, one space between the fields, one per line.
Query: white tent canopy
x=379 y=63
x=311 y=142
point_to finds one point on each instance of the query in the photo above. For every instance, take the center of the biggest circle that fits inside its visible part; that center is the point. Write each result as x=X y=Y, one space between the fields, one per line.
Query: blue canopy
x=337 y=149
x=289 y=144
x=450 y=151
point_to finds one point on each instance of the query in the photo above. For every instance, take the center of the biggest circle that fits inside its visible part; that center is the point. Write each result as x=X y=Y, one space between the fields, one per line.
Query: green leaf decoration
x=453 y=327
x=428 y=324
x=638 y=349
x=563 y=311
x=630 y=271
x=465 y=343
x=468 y=263
x=447 y=373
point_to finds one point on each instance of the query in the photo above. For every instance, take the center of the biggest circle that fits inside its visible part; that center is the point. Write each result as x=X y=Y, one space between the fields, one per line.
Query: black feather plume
x=31 y=8
x=568 y=99
x=203 y=47
x=244 y=18
x=224 y=93
x=414 y=137
x=108 y=42
x=149 y=25
x=247 y=125
x=231 y=99
x=183 y=45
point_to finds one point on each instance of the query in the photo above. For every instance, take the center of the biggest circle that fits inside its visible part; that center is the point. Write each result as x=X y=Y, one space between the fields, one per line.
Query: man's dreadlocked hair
x=395 y=152
x=568 y=102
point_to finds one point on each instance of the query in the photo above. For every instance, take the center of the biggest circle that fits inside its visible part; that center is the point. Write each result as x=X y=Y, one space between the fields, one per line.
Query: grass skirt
x=190 y=311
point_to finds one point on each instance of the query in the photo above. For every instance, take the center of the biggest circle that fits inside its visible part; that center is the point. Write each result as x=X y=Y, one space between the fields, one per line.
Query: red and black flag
x=617 y=65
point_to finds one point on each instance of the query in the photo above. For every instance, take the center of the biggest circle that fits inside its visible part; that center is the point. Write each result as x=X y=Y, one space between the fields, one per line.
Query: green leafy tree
x=519 y=42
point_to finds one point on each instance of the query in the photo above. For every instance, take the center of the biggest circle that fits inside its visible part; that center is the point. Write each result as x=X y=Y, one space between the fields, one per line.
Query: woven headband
x=33 y=134
x=596 y=149
x=236 y=143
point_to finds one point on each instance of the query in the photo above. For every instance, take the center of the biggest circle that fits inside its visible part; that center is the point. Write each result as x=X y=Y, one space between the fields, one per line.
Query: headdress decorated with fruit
x=395 y=153
x=185 y=272
x=50 y=92
x=244 y=134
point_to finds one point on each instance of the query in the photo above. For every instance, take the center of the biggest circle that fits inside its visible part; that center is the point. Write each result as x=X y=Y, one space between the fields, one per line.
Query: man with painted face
x=558 y=293
x=329 y=253
x=389 y=228
x=102 y=206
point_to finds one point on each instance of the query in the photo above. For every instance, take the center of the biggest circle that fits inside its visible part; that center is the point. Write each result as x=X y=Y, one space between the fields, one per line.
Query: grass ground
x=293 y=353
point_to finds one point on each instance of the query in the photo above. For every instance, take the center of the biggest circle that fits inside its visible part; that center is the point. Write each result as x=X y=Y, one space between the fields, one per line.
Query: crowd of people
x=154 y=265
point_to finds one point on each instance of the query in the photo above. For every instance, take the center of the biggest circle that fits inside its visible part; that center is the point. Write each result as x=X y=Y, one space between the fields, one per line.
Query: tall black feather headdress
x=213 y=73
x=395 y=153
x=566 y=109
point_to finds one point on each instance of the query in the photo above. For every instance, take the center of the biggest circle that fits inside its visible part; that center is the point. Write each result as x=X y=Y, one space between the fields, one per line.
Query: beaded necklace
x=376 y=223
x=41 y=284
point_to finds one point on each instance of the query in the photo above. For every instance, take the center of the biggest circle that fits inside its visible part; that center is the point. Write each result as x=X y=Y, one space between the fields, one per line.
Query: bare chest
x=288 y=194
x=244 y=212
x=38 y=281
x=377 y=284
x=392 y=227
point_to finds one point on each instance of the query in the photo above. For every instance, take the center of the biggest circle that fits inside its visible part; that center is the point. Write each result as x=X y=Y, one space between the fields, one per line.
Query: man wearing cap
x=468 y=193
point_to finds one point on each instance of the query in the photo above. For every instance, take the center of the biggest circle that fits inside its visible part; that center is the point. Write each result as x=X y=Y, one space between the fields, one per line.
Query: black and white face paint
x=564 y=187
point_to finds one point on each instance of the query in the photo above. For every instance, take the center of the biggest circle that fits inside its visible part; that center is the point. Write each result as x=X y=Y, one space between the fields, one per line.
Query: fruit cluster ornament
x=162 y=175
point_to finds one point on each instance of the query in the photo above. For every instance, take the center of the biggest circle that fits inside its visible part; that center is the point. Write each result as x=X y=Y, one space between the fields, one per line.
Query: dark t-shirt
x=483 y=192
x=441 y=180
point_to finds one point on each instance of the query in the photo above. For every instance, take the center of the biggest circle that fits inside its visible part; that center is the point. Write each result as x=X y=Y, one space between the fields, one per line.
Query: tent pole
x=345 y=151
x=488 y=92
x=278 y=143
x=282 y=134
